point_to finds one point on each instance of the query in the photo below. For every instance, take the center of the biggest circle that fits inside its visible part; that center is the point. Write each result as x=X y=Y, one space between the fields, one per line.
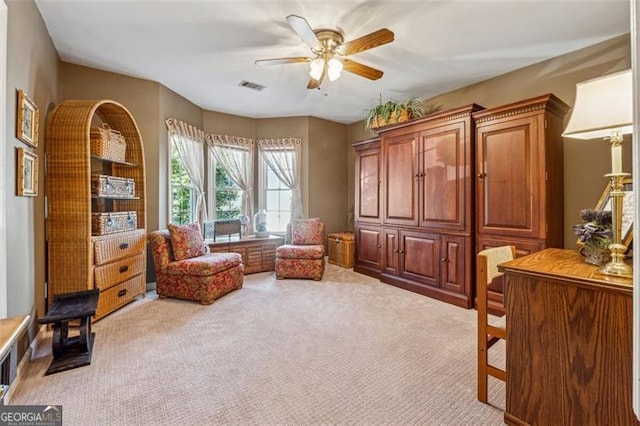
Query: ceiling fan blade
x=280 y=61
x=304 y=30
x=315 y=84
x=369 y=41
x=361 y=69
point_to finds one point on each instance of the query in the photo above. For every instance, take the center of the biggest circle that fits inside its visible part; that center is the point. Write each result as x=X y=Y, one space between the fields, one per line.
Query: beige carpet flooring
x=346 y=350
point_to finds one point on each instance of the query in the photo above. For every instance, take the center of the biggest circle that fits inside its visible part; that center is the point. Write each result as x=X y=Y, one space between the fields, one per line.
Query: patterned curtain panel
x=284 y=157
x=189 y=142
x=235 y=156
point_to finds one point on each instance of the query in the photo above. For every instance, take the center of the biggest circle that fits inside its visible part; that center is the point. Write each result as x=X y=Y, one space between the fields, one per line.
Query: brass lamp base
x=617 y=267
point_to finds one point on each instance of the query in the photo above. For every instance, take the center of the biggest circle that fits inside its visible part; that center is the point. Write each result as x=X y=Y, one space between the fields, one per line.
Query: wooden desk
x=569 y=342
x=258 y=254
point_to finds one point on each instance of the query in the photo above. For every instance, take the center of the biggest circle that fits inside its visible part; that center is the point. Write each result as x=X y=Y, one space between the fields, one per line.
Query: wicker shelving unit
x=77 y=260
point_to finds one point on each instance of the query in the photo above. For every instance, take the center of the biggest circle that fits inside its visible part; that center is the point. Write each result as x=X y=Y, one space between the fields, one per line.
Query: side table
x=71 y=352
x=258 y=253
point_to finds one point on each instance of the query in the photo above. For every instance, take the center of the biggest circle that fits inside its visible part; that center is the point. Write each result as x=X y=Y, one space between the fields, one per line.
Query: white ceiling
x=202 y=49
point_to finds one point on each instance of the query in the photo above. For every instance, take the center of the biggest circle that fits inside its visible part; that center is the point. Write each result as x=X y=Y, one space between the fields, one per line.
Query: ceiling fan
x=330 y=52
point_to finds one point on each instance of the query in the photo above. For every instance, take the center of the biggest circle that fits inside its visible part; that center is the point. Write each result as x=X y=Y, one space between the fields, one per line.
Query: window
x=183 y=192
x=228 y=196
x=280 y=181
x=276 y=200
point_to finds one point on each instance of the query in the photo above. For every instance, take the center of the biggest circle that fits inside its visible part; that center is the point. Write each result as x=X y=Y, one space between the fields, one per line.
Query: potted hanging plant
x=393 y=111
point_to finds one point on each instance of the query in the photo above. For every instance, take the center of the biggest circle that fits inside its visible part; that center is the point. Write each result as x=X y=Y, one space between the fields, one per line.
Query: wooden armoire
x=519 y=185
x=432 y=192
x=414 y=203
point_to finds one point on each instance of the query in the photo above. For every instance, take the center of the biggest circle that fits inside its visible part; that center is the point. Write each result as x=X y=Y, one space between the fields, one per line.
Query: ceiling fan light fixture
x=334 y=69
x=316 y=66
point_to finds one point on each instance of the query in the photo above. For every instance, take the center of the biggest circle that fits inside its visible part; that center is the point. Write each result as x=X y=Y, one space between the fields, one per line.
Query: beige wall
x=32 y=65
x=328 y=173
x=585 y=162
x=228 y=124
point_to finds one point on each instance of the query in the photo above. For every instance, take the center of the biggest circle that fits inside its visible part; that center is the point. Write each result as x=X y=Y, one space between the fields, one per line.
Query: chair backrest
x=305 y=232
x=160 y=244
x=487 y=263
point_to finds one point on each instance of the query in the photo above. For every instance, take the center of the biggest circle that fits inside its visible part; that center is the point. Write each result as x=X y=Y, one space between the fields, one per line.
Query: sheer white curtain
x=189 y=141
x=284 y=157
x=235 y=156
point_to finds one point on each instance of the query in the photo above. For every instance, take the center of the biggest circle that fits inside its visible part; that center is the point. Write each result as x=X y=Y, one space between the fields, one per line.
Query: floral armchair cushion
x=307 y=232
x=186 y=241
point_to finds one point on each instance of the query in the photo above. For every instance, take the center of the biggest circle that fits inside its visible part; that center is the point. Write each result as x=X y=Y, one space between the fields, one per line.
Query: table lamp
x=604 y=109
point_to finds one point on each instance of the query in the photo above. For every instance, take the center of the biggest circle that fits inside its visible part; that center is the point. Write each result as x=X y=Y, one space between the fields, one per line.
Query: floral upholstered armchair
x=303 y=254
x=185 y=271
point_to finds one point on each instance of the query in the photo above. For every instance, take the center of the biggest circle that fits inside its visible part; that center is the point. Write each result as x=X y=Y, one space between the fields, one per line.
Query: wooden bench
x=71 y=352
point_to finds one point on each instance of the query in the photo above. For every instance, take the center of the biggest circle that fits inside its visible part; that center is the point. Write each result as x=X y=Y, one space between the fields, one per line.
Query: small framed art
x=27 y=173
x=27 y=120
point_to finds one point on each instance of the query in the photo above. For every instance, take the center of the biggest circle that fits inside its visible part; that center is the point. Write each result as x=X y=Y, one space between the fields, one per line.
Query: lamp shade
x=335 y=68
x=603 y=105
x=316 y=68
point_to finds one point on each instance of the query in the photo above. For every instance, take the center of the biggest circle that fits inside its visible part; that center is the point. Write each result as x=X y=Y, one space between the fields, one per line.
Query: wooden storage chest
x=341 y=248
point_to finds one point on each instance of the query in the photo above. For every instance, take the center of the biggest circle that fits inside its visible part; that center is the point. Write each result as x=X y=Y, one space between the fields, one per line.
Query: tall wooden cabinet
x=432 y=192
x=77 y=260
x=519 y=178
x=421 y=238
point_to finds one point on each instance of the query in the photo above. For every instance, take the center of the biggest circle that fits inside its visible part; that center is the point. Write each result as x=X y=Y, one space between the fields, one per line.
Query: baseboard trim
x=22 y=365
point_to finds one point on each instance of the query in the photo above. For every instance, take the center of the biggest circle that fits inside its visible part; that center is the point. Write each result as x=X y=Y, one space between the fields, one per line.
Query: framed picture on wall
x=27 y=173
x=27 y=120
x=604 y=203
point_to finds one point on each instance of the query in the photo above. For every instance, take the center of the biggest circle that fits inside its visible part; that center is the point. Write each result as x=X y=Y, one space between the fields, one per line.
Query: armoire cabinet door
x=400 y=180
x=390 y=251
x=420 y=254
x=452 y=258
x=444 y=178
x=368 y=247
x=508 y=177
x=368 y=180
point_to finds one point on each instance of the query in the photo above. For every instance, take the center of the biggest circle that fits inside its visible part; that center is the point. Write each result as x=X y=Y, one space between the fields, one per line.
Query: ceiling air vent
x=252 y=86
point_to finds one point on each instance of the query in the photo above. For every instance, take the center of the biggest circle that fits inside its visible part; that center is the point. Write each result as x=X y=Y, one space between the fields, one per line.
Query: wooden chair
x=488 y=334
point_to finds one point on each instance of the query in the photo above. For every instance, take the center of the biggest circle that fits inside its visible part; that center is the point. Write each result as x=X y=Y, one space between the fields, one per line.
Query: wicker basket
x=341 y=249
x=108 y=143
x=112 y=186
x=108 y=223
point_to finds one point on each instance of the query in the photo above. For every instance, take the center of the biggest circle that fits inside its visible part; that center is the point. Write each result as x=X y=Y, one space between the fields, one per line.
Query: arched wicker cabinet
x=115 y=262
